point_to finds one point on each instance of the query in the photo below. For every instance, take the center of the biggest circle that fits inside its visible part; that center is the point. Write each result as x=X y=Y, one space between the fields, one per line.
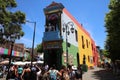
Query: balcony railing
x=52 y=35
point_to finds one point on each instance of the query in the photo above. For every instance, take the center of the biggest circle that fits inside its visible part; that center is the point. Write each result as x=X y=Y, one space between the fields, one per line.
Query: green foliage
x=112 y=24
x=28 y=57
x=39 y=48
x=10 y=21
x=105 y=53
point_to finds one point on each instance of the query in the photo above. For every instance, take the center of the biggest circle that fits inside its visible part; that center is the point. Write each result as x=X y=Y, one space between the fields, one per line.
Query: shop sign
x=52 y=45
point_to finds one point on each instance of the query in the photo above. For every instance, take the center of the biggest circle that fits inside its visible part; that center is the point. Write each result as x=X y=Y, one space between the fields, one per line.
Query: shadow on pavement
x=104 y=75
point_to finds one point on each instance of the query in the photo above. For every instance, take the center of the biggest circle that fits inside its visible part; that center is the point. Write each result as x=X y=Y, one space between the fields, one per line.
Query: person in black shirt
x=78 y=73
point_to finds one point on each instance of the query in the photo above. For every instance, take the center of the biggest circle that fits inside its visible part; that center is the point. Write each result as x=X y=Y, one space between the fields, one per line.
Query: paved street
x=99 y=74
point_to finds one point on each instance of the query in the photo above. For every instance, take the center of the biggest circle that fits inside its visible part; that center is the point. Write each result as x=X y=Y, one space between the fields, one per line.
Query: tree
x=105 y=53
x=112 y=24
x=39 y=48
x=10 y=22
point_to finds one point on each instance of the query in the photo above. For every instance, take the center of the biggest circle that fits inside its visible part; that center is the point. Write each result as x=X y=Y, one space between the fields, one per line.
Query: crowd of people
x=38 y=72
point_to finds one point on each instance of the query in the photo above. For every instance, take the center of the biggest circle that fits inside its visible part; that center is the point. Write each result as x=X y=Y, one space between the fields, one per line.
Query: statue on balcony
x=50 y=27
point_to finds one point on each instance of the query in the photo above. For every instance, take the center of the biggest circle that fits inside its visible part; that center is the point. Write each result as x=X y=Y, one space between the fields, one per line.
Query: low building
x=17 y=51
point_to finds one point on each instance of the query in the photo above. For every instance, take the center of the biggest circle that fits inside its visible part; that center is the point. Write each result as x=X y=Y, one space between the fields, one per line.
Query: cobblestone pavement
x=99 y=74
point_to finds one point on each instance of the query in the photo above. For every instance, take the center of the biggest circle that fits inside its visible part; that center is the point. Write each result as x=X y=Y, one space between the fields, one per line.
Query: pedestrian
x=71 y=72
x=53 y=73
x=4 y=70
x=12 y=73
x=26 y=73
x=38 y=73
x=46 y=67
x=34 y=70
x=19 y=71
x=64 y=73
x=78 y=73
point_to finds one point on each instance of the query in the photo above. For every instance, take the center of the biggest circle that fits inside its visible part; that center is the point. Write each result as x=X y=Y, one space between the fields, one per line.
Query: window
x=76 y=35
x=84 y=59
x=83 y=46
x=93 y=59
x=88 y=58
x=87 y=43
x=92 y=46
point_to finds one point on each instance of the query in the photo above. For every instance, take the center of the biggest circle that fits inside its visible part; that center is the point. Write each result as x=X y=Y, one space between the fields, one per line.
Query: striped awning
x=4 y=51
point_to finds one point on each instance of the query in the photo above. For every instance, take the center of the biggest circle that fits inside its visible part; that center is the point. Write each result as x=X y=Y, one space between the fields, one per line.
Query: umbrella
x=41 y=62
x=4 y=62
x=19 y=63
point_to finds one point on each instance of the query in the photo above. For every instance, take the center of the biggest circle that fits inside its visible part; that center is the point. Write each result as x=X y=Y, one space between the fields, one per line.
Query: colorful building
x=18 y=51
x=4 y=51
x=65 y=41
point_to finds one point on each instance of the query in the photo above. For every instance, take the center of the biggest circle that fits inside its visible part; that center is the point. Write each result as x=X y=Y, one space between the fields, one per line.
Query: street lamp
x=33 y=39
x=66 y=29
x=12 y=40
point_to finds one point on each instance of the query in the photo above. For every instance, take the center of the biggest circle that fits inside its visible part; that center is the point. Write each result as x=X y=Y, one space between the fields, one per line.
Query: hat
x=74 y=67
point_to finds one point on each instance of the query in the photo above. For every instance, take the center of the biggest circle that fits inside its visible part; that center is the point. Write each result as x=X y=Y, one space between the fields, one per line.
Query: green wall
x=72 y=51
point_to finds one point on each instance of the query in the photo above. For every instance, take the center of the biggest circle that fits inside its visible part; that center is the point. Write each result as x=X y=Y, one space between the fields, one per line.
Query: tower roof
x=55 y=4
x=53 y=7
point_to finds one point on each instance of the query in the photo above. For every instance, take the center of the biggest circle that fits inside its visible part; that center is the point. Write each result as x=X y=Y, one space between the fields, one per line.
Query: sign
x=52 y=45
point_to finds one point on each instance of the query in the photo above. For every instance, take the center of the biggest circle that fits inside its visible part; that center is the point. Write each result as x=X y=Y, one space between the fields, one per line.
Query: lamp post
x=10 y=57
x=33 y=39
x=66 y=29
x=11 y=39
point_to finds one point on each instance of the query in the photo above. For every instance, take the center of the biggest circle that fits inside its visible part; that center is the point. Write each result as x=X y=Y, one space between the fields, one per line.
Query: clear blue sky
x=91 y=13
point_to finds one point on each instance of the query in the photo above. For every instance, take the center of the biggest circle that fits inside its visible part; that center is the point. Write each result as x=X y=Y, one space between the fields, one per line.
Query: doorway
x=78 y=62
x=52 y=58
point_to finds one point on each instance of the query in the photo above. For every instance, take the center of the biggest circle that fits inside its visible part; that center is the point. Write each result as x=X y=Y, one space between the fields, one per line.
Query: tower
x=52 y=39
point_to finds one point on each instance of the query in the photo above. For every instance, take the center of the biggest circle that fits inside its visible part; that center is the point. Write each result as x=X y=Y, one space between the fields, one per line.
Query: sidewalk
x=99 y=74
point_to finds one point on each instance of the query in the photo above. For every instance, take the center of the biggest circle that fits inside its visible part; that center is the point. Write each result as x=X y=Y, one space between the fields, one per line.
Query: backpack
x=53 y=75
x=78 y=74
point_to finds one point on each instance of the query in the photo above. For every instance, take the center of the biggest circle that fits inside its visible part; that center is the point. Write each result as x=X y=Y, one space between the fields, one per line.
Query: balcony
x=52 y=36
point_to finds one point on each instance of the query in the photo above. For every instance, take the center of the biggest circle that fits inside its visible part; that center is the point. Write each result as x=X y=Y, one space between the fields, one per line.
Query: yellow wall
x=86 y=51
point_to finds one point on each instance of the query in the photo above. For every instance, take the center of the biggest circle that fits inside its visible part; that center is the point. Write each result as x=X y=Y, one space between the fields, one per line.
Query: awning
x=4 y=51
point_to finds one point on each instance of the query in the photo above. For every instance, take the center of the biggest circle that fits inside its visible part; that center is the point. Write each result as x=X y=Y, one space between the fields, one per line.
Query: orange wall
x=95 y=53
